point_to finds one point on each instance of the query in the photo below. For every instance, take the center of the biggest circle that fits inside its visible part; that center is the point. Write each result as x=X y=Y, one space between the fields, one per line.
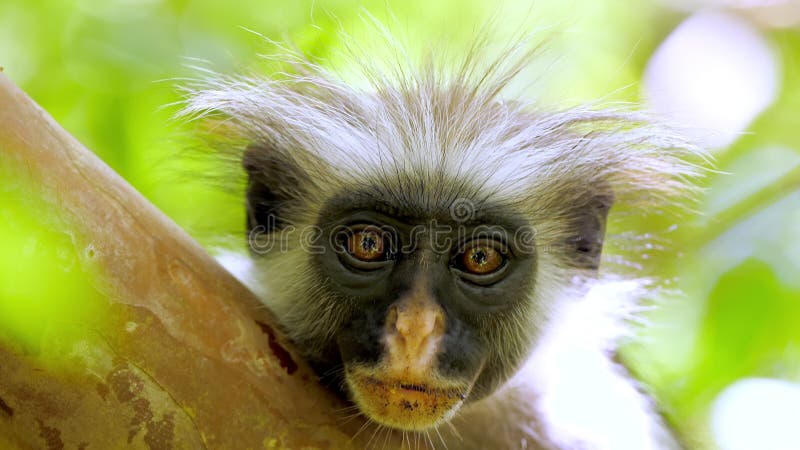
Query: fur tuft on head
x=437 y=124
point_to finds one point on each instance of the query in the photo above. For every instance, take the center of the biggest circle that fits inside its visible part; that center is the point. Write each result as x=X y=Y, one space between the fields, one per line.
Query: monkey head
x=414 y=237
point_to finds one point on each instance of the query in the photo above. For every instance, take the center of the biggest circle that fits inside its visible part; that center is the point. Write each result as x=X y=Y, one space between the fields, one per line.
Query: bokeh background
x=723 y=351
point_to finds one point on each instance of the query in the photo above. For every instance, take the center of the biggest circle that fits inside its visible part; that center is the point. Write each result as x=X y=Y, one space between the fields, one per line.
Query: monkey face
x=437 y=309
x=402 y=302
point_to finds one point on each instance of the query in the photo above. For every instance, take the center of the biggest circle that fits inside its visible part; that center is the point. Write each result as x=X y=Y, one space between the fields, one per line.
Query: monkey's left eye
x=481 y=259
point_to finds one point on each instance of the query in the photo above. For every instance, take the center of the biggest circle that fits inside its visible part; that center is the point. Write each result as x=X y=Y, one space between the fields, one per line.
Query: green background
x=108 y=71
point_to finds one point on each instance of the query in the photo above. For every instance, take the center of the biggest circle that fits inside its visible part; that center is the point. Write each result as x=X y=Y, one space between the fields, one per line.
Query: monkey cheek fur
x=412 y=405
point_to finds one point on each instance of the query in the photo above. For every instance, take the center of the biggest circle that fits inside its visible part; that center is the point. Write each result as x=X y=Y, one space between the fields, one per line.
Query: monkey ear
x=273 y=184
x=586 y=245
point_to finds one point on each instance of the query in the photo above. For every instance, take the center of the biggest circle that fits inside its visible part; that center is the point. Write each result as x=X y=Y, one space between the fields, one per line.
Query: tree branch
x=177 y=353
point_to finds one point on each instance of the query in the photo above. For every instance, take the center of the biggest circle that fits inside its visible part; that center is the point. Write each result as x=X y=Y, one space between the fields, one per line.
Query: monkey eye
x=365 y=246
x=481 y=258
x=368 y=244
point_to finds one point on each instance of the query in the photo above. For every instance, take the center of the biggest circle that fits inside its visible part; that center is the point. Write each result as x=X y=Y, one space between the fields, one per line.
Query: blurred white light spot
x=757 y=414
x=770 y=13
x=714 y=74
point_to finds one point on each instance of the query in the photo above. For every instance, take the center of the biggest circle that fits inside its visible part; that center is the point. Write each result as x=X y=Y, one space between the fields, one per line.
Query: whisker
x=363 y=427
x=430 y=441
x=438 y=433
x=455 y=432
x=349 y=418
x=374 y=433
x=347 y=408
x=386 y=438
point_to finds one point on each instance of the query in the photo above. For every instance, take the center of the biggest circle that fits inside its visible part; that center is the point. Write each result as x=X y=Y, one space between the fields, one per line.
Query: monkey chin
x=405 y=404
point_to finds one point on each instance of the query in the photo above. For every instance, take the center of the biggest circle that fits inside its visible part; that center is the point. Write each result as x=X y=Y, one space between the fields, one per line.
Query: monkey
x=433 y=247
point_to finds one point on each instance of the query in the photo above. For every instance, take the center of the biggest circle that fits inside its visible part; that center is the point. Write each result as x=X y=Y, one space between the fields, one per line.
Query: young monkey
x=433 y=248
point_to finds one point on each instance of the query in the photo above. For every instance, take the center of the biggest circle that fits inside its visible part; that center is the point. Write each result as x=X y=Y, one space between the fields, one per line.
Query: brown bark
x=173 y=355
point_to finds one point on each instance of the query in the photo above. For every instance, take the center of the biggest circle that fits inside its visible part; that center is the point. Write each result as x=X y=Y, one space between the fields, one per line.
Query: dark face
x=426 y=295
x=412 y=311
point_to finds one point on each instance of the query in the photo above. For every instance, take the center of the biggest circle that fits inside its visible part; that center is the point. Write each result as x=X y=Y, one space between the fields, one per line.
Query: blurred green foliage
x=41 y=279
x=106 y=70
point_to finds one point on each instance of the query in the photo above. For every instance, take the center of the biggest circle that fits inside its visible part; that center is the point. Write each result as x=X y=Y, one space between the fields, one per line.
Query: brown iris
x=481 y=259
x=367 y=245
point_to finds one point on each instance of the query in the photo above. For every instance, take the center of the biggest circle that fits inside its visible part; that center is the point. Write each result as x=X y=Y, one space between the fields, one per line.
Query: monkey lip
x=406 y=404
x=458 y=393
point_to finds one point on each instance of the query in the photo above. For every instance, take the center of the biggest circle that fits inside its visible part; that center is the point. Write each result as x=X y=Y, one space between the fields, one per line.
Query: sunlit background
x=723 y=353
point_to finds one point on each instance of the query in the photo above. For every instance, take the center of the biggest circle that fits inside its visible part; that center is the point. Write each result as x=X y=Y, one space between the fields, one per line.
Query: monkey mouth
x=425 y=389
x=405 y=404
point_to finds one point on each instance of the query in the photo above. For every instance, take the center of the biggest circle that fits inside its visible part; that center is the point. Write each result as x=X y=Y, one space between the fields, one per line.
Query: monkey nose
x=415 y=326
x=414 y=331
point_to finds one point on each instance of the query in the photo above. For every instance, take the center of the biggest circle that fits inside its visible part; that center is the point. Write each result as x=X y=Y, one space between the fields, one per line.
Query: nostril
x=415 y=324
x=413 y=334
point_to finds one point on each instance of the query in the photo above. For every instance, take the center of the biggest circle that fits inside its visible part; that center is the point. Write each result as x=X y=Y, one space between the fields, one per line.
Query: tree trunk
x=175 y=353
